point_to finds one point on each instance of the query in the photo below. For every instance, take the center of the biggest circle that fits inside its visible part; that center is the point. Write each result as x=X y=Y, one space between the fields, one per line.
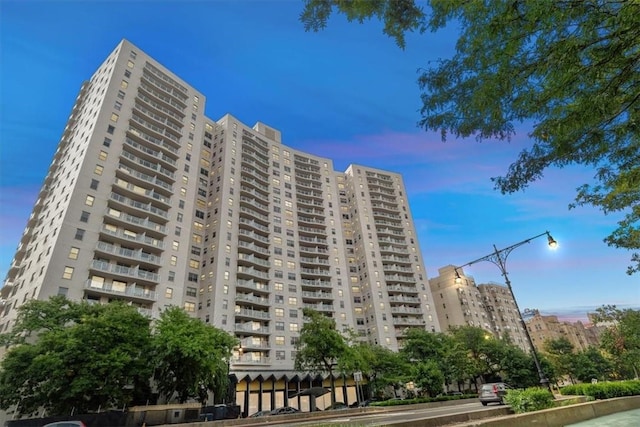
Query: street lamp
x=499 y=258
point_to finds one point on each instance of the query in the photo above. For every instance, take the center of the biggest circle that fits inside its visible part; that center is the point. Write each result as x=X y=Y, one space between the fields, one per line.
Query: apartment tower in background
x=148 y=201
x=459 y=301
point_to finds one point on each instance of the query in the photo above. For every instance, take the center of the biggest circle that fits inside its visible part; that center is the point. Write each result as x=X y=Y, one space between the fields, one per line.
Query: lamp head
x=458 y=278
x=552 y=242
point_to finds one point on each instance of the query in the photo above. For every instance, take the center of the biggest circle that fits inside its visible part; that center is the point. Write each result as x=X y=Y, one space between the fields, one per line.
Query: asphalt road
x=398 y=414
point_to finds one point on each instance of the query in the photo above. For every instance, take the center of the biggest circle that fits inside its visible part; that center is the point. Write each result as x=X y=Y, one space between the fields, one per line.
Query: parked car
x=260 y=414
x=284 y=410
x=66 y=424
x=337 y=405
x=493 y=392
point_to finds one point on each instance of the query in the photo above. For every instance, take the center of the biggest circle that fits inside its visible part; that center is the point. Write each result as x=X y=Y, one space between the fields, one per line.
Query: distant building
x=543 y=328
x=459 y=301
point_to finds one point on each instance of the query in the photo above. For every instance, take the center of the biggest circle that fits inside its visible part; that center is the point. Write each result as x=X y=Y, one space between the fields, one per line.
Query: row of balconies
x=144 y=177
x=181 y=91
x=253 y=285
x=255 y=183
x=138 y=237
x=254 y=224
x=254 y=214
x=161 y=108
x=157 y=89
x=129 y=291
x=165 y=121
x=147 y=164
x=400 y=278
x=137 y=190
x=127 y=271
x=150 y=90
x=147 y=207
x=158 y=155
x=132 y=254
x=159 y=131
x=253 y=247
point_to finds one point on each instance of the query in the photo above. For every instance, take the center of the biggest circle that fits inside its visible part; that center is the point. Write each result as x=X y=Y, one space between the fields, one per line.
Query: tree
x=320 y=346
x=382 y=367
x=191 y=357
x=561 y=354
x=84 y=357
x=570 y=68
x=590 y=364
x=621 y=339
x=428 y=377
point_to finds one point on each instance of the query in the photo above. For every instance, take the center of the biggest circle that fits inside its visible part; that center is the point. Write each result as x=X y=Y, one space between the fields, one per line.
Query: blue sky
x=347 y=93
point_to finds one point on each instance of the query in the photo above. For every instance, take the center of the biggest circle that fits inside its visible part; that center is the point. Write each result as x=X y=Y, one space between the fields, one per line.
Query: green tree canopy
x=561 y=355
x=320 y=346
x=86 y=357
x=191 y=357
x=621 y=339
x=568 y=68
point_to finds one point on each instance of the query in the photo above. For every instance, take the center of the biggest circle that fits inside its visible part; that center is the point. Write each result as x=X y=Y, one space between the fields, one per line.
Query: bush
x=604 y=390
x=394 y=402
x=531 y=399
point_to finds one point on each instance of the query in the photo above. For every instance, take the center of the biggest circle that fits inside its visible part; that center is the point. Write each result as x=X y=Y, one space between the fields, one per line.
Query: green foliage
x=528 y=400
x=428 y=377
x=604 y=390
x=67 y=356
x=190 y=357
x=567 y=67
x=381 y=366
x=417 y=400
x=621 y=340
x=85 y=357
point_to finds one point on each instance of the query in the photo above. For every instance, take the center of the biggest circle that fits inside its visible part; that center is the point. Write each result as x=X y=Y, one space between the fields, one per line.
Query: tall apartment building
x=544 y=328
x=459 y=301
x=149 y=201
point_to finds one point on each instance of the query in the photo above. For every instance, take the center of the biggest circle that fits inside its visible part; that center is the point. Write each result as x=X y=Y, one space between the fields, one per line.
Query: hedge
x=528 y=400
x=604 y=390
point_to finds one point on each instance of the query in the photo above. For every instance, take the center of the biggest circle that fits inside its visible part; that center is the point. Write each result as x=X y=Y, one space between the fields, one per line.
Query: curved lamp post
x=499 y=258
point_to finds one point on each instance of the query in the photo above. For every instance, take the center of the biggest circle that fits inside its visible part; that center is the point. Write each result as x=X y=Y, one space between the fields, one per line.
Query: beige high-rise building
x=459 y=301
x=149 y=201
x=544 y=328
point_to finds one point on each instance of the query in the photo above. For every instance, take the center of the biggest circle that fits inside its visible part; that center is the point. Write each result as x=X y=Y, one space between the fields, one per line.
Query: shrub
x=604 y=390
x=531 y=399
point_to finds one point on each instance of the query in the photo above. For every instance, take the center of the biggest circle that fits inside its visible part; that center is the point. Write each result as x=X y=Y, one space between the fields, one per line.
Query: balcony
x=125 y=271
x=404 y=299
x=253 y=236
x=252 y=247
x=406 y=310
x=313 y=250
x=147 y=164
x=319 y=307
x=399 y=278
x=130 y=291
x=129 y=172
x=408 y=321
x=255 y=204
x=143 y=149
x=140 y=238
x=317 y=295
x=137 y=191
x=145 y=207
x=254 y=224
x=252 y=259
x=254 y=214
x=402 y=289
x=316 y=283
x=315 y=272
x=129 y=254
x=138 y=223
x=252 y=314
x=251 y=328
x=252 y=299
x=250 y=271
x=252 y=285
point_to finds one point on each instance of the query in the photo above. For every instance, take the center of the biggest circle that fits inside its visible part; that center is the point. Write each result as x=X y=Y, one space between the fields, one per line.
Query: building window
x=192 y=292
x=73 y=253
x=111 y=129
x=79 y=234
x=103 y=155
x=89 y=200
x=124 y=84
x=68 y=273
x=114 y=117
x=84 y=216
x=189 y=307
x=280 y=355
x=63 y=291
x=94 y=184
x=98 y=170
x=106 y=142
x=280 y=340
x=168 y=293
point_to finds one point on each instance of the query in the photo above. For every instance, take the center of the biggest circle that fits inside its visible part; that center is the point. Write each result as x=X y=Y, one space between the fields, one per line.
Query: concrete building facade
x=544 y=328
x=149 y=201
x=459 y=301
